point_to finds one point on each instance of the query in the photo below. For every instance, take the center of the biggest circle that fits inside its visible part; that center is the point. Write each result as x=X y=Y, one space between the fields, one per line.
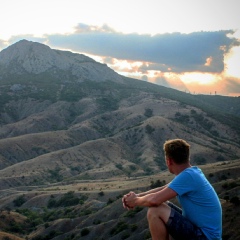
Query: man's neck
x=179 y=168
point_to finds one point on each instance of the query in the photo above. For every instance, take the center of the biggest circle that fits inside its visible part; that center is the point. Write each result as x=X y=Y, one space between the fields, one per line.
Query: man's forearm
x=148 y=200
x=151 y=199
x=151 y=191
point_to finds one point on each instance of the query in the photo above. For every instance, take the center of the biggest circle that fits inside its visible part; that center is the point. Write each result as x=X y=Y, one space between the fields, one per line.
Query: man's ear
x=170 y=161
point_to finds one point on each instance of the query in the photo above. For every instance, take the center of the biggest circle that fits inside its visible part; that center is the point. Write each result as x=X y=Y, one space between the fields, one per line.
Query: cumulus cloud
x=84 y=28
x=178 y=52
x=162 y=58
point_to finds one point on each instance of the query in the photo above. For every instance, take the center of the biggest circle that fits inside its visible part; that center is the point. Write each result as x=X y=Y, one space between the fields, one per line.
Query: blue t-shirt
x=199 y=201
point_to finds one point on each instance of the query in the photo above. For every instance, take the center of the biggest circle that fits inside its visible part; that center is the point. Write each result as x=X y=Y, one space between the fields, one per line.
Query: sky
x=189 y=45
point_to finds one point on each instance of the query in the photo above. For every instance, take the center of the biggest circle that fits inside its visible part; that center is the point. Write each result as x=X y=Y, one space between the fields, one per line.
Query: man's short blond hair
x=178 y=150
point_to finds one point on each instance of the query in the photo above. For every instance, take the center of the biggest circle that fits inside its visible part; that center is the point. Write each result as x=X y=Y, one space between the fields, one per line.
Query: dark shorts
x=180 y=228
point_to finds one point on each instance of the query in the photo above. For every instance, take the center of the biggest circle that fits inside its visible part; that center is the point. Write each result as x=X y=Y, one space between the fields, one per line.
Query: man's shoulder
x=193 y=170
x=190 y=174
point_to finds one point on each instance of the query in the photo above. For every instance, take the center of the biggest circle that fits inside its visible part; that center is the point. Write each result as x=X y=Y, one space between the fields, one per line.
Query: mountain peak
x=22 y=50
x=27 y=57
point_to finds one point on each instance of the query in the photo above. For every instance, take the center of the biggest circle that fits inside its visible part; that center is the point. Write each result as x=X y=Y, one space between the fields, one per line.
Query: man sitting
x=201 y=215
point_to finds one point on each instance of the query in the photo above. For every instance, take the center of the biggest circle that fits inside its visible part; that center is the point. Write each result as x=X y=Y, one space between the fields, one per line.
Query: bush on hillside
x=148 y=112
x=68 y=199
x=235 y=200
x=19 y=201
x=85 y=232
x=119 y=228
x=157 y=183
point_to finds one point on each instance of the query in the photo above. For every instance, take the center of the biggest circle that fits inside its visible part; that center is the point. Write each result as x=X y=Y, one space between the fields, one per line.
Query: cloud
x=14 y=39
x=108 y=60
x=2 y=44
x=162 y=58
x=198 y=51
x=154 y=66
x=172 y=81
x=84 y=28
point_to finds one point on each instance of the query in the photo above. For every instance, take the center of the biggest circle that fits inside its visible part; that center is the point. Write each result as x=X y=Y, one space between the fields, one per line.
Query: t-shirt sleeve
x=180 y=184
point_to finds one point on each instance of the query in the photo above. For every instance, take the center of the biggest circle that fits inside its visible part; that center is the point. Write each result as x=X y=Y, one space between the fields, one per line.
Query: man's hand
x=129 y=200
x=124 y=201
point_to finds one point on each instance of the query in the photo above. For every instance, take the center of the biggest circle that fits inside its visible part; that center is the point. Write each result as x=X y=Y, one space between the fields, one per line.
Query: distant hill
x=66 y=117
x=75 y=136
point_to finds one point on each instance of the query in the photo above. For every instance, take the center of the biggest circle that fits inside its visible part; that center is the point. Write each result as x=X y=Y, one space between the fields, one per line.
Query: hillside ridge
x=75 y=136
x=50 y=113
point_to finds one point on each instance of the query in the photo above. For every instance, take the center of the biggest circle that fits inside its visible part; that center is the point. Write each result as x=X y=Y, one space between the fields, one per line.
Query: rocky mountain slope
x=27 y=57
x=75 y=136
x=66 y=117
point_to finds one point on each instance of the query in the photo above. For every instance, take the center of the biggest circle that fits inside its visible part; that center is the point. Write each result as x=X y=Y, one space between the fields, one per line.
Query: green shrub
x=85 y=232
x=133 y=227
x=119 y=228
x=119 y=166
x=148 y=112
x=96 y=221
x=101 y=193
x=19 y=201
x=67 y=200
x=211 y=175
x=147 y=235
x=158 y=183
x=235 y=200
x=149 y=129
x=108 y=103
x=133 y=212
x=110 y=200
x=125 y=235
x=52 y=202
x=181 y=118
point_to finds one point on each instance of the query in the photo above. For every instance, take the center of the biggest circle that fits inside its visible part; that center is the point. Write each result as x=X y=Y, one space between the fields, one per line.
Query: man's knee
x=162 y=211
x=151 y=213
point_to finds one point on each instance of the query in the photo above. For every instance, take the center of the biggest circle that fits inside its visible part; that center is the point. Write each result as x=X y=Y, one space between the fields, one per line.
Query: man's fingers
x=123 y=202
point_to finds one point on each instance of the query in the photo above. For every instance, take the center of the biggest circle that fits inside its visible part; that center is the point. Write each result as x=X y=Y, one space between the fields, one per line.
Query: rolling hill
x=71 y=127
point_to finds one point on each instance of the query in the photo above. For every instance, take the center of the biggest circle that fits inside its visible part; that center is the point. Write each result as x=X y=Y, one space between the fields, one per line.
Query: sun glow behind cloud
x=193 y=82
x=197 y=77
x=233 y=63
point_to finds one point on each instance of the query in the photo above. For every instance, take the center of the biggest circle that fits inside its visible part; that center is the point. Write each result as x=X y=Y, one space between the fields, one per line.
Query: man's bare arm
x=151 y=191
x=151 y=199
